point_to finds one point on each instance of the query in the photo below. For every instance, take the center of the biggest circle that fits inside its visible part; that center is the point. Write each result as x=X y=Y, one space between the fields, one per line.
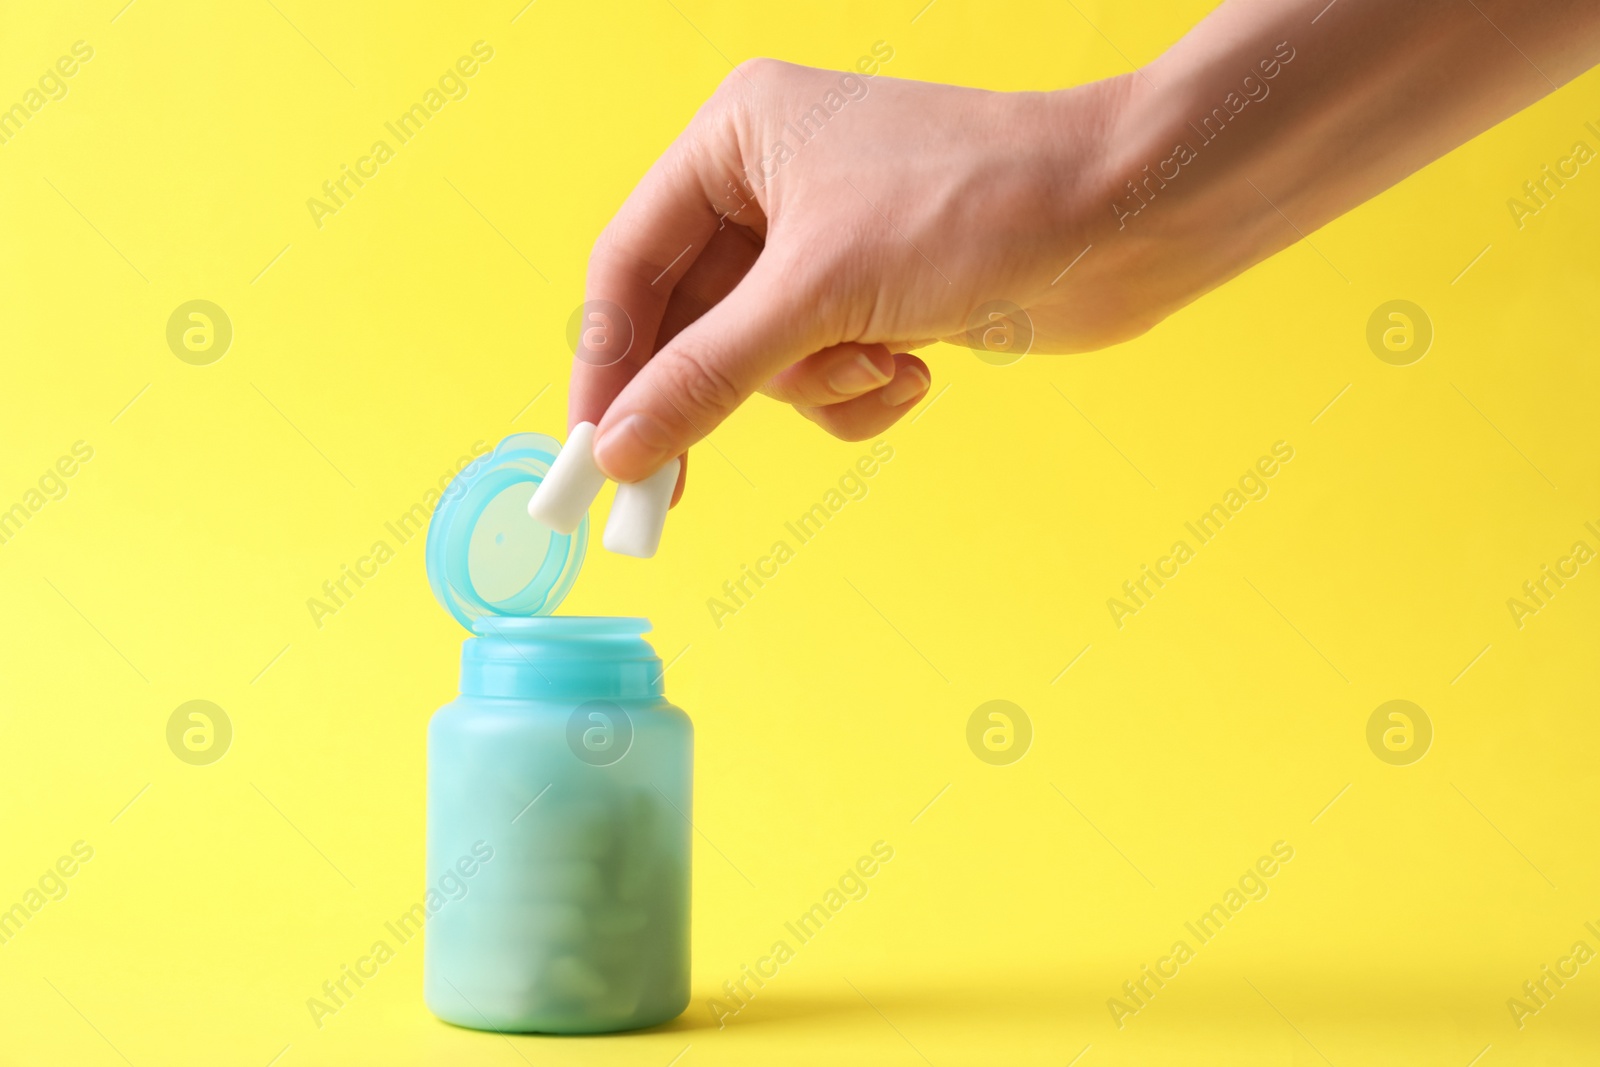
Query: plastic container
x=559 y=784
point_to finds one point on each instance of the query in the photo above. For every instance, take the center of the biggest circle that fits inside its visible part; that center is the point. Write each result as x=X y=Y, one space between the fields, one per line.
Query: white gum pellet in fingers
x=639 y=513
x=563 y=497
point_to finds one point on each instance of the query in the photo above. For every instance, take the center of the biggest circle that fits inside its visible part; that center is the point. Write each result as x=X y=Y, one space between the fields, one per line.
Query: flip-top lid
x=485 y=555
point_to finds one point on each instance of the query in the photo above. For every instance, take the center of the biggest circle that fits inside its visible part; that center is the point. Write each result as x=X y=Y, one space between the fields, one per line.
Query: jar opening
x=556 y=626
x=560 y=657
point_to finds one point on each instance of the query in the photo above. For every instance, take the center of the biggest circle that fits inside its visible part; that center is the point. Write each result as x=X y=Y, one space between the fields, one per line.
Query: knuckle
x=704 y=386
x=754 y=69
x=738 y=90
x=834 y=424
x=607 y=252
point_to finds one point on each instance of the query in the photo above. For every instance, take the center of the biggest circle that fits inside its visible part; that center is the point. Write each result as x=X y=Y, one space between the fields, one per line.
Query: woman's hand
x=809 y=228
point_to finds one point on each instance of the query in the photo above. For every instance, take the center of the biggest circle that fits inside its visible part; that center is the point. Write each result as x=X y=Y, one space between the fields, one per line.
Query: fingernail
x=909 y=384
x=857 y=376
x=637 y=445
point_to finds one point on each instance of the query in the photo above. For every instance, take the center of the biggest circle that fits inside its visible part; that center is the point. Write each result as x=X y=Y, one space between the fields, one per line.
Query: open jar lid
x=485 y=555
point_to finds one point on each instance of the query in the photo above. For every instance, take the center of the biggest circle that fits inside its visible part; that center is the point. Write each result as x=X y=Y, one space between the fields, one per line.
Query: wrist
x=1183 y=178
x=1133 y=222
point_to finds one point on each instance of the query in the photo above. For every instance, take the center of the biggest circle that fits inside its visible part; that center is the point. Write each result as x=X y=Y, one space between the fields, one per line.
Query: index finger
x=653 y=240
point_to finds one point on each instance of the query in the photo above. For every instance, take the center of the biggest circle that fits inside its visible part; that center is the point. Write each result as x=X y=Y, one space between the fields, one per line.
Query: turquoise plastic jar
x=559 y=784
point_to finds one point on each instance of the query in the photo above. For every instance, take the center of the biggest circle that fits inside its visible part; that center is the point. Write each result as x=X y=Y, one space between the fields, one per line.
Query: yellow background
x=1222 y=718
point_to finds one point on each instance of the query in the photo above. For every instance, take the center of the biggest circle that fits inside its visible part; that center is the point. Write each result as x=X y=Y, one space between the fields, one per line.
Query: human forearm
x=1261 y=124
x=809 y=228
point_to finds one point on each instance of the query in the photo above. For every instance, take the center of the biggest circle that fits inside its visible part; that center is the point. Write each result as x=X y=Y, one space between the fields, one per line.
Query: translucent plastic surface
x=565 y=791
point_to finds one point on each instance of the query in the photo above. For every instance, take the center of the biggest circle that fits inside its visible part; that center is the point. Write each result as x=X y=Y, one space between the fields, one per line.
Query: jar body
x=558 y=850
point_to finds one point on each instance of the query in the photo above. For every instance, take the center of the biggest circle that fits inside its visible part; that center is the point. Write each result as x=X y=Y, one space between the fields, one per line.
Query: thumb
x=766 y=323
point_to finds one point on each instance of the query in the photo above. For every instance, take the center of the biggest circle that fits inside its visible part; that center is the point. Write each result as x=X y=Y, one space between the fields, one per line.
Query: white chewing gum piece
x=639 y=513
x=562 y=499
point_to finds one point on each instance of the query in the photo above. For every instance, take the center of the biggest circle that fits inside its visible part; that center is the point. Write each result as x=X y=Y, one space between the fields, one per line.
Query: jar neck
x=560 y=658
